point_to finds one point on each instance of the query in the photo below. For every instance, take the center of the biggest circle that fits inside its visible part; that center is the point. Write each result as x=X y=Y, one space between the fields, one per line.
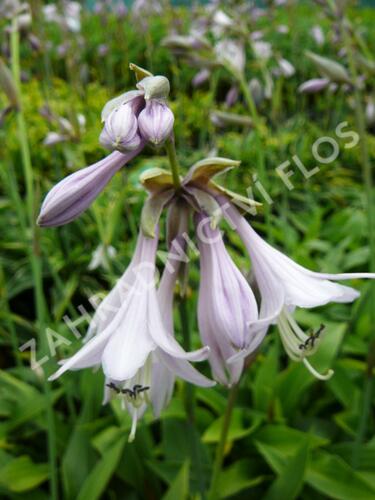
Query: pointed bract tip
x=140 y=73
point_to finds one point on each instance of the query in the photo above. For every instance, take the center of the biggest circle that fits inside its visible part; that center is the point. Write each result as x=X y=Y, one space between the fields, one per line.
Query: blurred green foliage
x=291 y=436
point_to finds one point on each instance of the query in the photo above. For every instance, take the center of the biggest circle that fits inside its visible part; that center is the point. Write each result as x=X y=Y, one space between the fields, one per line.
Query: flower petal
x=184 y=370
x=162 y=386
x=86 y=356
x=302 y=287
x=130 y=343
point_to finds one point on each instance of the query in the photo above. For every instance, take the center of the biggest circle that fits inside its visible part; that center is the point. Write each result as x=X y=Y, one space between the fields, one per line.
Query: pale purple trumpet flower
x=74 y=194
x=285 y=285
x=231 y=53
x=131 y=336
x=226 y=306
x=69 y=18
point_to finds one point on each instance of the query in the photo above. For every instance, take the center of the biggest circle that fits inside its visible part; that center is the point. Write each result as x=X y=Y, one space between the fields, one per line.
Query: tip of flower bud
x=140 y=73
x=155 y=87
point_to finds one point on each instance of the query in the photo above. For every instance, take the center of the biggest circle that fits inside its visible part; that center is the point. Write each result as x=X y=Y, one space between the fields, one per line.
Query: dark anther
x=137 y=389
x=113 y=387
x=312 y=338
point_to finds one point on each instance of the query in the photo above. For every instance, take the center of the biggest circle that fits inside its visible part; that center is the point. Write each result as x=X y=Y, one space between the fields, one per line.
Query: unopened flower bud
x=232 y=96
x=201 y=77
x=154 y=87
x=74 y=194
x=156 y=122
x=329 y=68
x=286 y=68
x=121 y=130
x=313 y=86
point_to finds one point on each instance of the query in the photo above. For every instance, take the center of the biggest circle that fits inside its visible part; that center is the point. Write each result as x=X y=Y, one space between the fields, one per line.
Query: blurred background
x=291 y=436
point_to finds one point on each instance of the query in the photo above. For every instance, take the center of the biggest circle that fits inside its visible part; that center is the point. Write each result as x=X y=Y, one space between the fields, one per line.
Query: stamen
x=298 y=344
x=134 y=426
x=316 y=374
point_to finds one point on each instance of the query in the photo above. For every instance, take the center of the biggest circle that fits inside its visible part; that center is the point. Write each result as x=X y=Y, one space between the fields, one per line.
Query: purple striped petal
x=74 y=194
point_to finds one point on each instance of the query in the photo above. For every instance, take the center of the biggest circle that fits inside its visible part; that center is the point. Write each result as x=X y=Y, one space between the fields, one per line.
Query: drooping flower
x=231 y=53
x=285 y=285
x=226 y=307
x=133 y=342
x=68 y=18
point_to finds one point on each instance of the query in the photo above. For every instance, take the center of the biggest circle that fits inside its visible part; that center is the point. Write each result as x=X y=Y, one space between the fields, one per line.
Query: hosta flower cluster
x=132 y=332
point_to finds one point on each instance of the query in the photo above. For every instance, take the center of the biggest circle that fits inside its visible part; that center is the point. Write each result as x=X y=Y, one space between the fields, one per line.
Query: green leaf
x=24 y=402
x=97 y=480
x=290 y=481
x=333 y=477
x=179 y=489
x=264 y=383
x=21 y=474
x=238 y=477
x=79 y=456
x=238 y=429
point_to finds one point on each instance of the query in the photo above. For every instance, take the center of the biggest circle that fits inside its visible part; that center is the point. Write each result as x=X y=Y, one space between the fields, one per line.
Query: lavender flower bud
x=286 y=68
x=262 y=50
x=201 y=77
x=318 y=35
x=156 y=122
x=74 y=194
x=329 y=68
x=313 y=86
x=232 y=96
x=121 y=130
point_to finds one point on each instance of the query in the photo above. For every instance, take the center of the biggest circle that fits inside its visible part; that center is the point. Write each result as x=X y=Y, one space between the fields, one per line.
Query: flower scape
x=187 y=251
x=132 y=334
